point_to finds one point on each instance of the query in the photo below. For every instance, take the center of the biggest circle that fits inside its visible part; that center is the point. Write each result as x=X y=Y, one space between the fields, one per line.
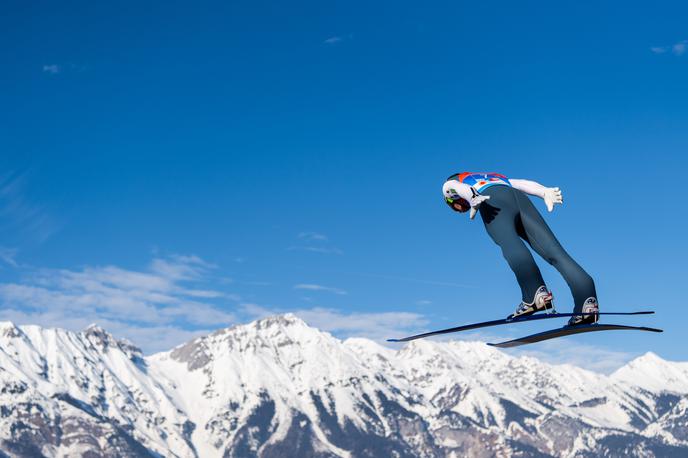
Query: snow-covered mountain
x=279 y=388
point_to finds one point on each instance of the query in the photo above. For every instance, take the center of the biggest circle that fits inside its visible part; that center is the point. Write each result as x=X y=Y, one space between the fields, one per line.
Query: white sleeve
x=454 y=189
x=529 y=187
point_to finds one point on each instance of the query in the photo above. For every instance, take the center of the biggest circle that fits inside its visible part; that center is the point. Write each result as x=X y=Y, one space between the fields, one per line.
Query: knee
x=554 y=254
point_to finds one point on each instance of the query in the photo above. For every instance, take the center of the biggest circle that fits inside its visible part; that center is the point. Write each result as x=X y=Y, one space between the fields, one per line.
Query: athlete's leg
x=540 y=237
x=499 y=215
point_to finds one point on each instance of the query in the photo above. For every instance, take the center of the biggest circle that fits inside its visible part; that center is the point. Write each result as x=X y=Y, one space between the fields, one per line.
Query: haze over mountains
x=278 y=388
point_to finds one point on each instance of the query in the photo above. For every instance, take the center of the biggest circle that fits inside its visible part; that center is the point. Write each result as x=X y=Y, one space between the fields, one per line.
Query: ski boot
x=589 y=306
x=541 y=301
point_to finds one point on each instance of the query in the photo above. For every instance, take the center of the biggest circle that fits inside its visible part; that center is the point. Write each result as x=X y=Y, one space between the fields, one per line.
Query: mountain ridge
x=278 y=387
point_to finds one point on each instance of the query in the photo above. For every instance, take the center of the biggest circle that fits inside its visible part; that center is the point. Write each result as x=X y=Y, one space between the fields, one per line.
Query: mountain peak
x=269 y=336
x=9 y=329
x=285 y=319
x=96 y=334
x=285 y=324
x=650 y=357
x=647 y=361
x=104 y=340
x=651 y=372
x=94 y=328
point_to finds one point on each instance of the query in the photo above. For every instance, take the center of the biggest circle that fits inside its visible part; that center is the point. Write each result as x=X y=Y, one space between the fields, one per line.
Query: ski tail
x=567 y=331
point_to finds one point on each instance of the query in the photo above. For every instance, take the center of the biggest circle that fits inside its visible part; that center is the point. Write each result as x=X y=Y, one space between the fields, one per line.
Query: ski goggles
x=451 y=200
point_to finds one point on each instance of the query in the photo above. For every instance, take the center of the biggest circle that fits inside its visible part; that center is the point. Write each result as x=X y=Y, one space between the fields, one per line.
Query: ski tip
x=393 y=340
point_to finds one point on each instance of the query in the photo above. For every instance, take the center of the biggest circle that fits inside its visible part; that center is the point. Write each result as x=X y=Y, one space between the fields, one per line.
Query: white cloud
x=315 y=249
x=677 y=49
x=315 y=242
x=157 y=298
x=419 y=280
x=313 y=236
x=8 y=256
x=16 y=210
x=338 y=39
x=313 y=287
x=150 y=339
x=181 y=267
x=52 y=68
x=376 y=326
x=256 y=283
x=557 y=351
x=256 y=312
x=590 y=357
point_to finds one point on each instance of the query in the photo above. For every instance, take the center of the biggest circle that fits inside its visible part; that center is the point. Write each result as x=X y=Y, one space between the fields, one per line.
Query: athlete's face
x=461 y=206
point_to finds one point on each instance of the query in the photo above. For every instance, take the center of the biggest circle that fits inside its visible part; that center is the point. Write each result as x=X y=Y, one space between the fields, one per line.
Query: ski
x=569 y=330
x=485 y=324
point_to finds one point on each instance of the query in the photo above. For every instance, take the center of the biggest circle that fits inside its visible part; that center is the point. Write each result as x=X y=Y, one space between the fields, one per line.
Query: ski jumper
x=512 y=220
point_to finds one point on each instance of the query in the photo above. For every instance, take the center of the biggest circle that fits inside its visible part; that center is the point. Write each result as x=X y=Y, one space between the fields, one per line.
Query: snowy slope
x=278 y=388
x=653 y=373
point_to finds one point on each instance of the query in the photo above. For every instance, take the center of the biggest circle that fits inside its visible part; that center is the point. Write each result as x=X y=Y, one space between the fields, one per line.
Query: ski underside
x=567 y=331
x=529 y=318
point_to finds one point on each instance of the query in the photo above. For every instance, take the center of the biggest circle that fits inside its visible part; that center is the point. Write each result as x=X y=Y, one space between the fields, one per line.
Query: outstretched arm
x=529 y=187
x=551 y=196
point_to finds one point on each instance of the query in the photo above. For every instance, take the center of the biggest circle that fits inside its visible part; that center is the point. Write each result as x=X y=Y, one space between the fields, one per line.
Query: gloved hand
x=475 y=203
x=552 y=196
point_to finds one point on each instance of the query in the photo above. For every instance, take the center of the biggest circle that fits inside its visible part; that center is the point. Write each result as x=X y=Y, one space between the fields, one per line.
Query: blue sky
x=169 y=168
